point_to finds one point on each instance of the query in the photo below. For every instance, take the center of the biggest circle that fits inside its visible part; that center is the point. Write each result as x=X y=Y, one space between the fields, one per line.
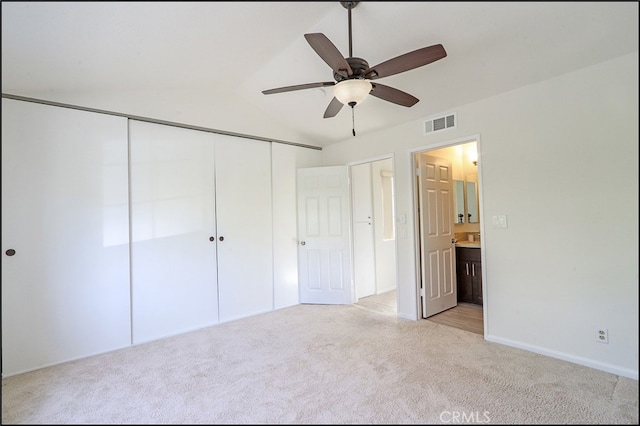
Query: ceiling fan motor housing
x=358 y=66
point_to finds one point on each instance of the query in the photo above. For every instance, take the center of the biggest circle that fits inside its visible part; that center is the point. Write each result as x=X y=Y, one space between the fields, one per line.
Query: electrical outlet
x=602 y=335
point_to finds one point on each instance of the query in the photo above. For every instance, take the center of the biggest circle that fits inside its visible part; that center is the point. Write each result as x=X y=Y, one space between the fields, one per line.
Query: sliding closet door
x=244 y=221
x=65 y=235
x=173 y=256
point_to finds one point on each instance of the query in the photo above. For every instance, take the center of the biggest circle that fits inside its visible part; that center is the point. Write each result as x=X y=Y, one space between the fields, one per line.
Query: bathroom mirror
x=465 y=200
x=472 y=198
x=458 y=202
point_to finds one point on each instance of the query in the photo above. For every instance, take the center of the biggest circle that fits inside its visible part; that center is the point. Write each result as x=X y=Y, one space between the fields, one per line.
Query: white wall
x=560 y=159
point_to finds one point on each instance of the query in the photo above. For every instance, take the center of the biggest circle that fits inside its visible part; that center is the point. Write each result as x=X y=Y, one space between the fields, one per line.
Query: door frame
x=416 y=218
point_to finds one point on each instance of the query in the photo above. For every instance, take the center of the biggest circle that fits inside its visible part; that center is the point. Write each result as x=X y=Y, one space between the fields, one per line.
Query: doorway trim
x=416 y=218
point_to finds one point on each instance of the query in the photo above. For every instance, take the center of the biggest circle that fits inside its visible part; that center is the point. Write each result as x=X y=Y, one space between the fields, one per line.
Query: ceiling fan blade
x=329 y=53
x=393 y=95
x=406 y=62
x=334 y=108
x=298 y=87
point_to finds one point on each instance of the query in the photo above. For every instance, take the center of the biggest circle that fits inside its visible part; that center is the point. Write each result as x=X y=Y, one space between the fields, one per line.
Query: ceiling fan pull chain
x=353 y=122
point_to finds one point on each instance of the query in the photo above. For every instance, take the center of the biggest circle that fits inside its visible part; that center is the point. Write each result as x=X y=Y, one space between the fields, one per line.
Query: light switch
x=499 y=221
x=402 y=232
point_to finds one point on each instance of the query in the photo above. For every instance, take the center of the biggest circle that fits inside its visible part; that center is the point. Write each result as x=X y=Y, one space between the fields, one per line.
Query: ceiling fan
x=354 y=78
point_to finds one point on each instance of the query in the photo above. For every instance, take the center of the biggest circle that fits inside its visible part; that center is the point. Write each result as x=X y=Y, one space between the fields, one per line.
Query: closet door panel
x=65 y=292
x=244 y=221
x=174 y=283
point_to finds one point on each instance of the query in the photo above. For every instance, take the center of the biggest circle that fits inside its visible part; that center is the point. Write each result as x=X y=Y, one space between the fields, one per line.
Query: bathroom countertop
x=468 y=244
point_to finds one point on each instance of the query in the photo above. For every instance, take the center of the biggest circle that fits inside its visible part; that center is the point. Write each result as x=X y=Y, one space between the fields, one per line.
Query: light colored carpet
x=317 y=364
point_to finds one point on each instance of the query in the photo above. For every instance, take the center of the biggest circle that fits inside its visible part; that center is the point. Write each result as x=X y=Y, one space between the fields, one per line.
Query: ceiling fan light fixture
x=353 y=90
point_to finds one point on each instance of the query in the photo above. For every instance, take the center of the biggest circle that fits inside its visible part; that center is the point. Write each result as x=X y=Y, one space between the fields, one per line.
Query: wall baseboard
x=609 y=368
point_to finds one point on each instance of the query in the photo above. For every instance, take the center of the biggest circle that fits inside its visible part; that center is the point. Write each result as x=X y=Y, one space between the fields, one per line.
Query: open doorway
x=447 y=198
x=373 y=227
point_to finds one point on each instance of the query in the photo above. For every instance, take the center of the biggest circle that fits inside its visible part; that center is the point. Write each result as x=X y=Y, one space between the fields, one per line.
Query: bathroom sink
x=470 y=244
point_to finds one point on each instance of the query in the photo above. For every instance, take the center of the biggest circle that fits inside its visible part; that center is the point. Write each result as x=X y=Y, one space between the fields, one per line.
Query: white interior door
x=438 y=291
x=364 y=256
x=384 y=224
x=65 y=285
x=173 y=272
x=245 y=227
x=324 y=233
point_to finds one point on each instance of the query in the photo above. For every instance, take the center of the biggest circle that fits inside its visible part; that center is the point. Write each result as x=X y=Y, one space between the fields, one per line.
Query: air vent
x=440 y=123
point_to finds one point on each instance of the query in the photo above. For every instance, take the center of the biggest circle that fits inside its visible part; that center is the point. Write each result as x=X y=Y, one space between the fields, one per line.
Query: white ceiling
x=242 y=48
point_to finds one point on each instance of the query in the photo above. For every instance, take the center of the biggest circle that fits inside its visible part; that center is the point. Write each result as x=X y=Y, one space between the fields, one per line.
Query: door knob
x=220 y=238
x=302 y=243
x=10 y=252
x=212 y=238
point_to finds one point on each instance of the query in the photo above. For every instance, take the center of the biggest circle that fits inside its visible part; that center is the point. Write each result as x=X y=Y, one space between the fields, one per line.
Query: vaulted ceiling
x=241 y=48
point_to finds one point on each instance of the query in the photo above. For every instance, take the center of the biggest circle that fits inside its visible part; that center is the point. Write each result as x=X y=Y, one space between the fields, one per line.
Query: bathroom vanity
x=469 y=272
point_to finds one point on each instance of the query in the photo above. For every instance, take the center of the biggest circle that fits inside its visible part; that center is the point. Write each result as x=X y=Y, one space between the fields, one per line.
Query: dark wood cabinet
x=469 y=275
